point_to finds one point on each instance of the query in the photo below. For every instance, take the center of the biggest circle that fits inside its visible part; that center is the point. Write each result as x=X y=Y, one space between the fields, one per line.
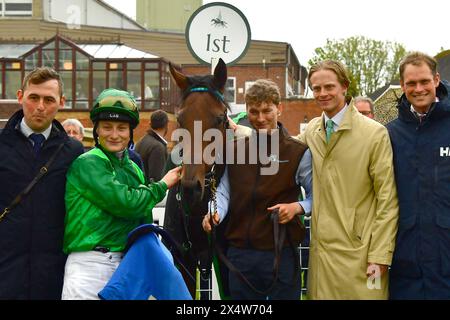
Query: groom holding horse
x=262 y=208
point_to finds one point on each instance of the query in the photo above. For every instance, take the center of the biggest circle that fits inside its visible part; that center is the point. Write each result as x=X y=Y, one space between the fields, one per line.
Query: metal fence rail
x=304 y=257
x=209 y=290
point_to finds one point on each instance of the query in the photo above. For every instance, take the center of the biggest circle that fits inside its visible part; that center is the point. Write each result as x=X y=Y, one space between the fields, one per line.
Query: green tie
x=329 y=128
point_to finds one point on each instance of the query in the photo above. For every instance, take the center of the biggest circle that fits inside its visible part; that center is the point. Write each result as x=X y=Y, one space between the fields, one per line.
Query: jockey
x=106 y=197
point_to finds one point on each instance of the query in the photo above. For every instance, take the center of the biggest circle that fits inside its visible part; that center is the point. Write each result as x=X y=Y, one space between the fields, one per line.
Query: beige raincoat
x=355 y=208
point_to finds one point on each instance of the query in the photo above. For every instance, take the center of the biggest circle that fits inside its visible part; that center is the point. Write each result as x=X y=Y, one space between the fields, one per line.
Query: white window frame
x=25 y=13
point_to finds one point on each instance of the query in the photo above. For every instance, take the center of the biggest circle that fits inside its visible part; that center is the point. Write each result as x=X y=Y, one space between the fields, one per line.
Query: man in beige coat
x=355 y=207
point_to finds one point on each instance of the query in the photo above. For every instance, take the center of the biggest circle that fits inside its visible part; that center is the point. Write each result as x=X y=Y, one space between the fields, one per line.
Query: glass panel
x=51 y=45
x=81 y=104
x=151 y=85
x=151 y=90
x=65 y=60
x=12 y=83
x=48 y=58
x=82 y=86
x=14 y=50
x=134 y=83
x=115 y=66
x=151 y=104
x=116 y=80
x=99 y=65
x=18 y=6
x=82 y=61
x=152 y=65
x=230 y=90
x=63 y=45
x=98 y=83
x=105 y=50
x=66 y=77
x=68 y=104
x=32 y=61
x=13 y=65
x=134 y=66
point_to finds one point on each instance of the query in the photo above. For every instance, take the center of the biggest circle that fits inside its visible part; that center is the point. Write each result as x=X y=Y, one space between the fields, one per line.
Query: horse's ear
x=179 y=78
x=220 y=75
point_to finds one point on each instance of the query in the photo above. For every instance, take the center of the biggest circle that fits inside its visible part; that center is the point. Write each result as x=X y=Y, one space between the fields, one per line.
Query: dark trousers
x=257 y=267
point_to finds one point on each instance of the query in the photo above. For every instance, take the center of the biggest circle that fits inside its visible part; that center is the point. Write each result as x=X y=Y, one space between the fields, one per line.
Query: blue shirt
x=303 y=177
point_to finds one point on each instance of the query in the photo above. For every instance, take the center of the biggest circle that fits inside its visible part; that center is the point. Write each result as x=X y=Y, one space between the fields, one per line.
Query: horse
x=202 y=102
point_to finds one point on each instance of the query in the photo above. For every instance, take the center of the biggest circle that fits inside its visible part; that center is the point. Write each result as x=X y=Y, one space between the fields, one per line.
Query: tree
x=370 y=63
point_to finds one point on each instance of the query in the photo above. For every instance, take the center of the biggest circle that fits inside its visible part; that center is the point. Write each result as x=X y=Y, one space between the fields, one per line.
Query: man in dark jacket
x=31 y=234
x=153 y=147
x=421 y=144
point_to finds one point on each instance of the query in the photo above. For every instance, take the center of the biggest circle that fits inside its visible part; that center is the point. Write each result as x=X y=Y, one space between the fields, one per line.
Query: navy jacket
x=31 y=235
x=421 y=263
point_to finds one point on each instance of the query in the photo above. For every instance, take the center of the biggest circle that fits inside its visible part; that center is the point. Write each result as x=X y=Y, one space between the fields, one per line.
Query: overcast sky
x=306 y=24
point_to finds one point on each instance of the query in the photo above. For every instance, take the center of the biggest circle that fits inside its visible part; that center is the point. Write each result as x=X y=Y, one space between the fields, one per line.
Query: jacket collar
x=13 y=127
x=113 y=157
x=346 y=123
x=283 y=132
x=437 y=110
x=155 y=135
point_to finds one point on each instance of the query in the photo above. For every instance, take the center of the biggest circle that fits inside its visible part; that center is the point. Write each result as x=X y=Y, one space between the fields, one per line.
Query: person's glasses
x=112 y=100
x=366 y=113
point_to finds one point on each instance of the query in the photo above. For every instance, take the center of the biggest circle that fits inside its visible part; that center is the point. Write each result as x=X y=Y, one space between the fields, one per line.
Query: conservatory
x=88 y=68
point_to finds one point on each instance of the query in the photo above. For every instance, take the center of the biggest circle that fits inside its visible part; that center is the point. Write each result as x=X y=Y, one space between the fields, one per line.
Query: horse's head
x=202 y=108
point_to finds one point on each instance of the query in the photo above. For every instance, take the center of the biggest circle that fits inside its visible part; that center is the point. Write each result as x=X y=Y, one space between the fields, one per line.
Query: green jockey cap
x=115 y=105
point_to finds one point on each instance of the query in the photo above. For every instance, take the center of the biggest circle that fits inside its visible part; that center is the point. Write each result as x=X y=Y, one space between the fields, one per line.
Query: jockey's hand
x=172 y=177
x=287 y=211
x=206 y=223
x=231 y=124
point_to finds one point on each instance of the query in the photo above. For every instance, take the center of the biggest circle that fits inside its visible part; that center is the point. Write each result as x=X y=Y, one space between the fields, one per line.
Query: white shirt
x=303 y=177
x=337 y=119
x=418 y=114
x=27 y=131
x=164 y=140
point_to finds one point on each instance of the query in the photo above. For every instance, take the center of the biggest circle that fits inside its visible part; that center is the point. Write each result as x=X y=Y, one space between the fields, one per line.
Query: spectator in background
x=74 y=128
x=153 y=147
x=31 y=234
x=365 y=106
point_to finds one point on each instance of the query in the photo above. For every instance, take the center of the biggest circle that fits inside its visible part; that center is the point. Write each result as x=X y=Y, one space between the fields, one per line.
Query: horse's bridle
x=219 y=96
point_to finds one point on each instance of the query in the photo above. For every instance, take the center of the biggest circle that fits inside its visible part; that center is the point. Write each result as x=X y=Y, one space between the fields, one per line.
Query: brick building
x=97 y=24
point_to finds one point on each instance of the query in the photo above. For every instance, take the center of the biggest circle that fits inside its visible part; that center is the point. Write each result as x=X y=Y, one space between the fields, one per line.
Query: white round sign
x=218 y=30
